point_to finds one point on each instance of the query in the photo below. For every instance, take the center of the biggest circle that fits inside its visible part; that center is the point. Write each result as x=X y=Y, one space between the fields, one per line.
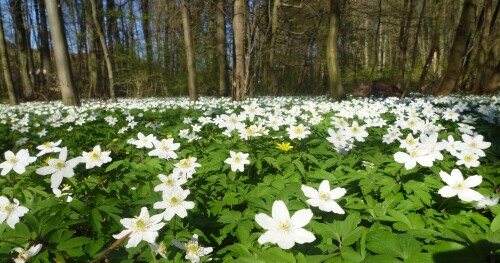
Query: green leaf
x=495 y=224
x=113 y=166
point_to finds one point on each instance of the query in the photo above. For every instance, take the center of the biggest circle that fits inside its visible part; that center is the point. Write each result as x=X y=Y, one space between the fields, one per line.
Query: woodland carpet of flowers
x=287 y=179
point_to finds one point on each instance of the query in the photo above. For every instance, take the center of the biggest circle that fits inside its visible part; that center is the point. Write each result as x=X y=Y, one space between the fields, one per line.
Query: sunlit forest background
x=244 y=48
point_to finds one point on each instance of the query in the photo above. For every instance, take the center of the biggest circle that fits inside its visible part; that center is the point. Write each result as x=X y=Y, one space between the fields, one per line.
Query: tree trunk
x=96 y=87
x=458 y=50
x=188 y=41
x=239 y=89
x=63 y=67
x=484 y=46
x=439 y=8
x=146 y=31
x=375 y=42
x=221 y=49
x=44 y=46
x=22 y=44
x=6 y=66
x=415 y=43
x=335 y=81
x=107 y=57
x=403 y=43
x=272 y=48
x=492 y=68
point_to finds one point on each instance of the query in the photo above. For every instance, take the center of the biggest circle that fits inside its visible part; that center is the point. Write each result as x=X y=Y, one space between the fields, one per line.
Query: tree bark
x=188 y=41
x=439 y=8
x=147 y=32
x=22 y=44
x=63 y=67
x=239 y=88
x=335 y=81
x=458 y=50
x=6 y=66
x=222 y=49
x=486 y=39
x=107 y=57
x=272 y=48
x=403 y=43
x=44 y=46
x=415 y=43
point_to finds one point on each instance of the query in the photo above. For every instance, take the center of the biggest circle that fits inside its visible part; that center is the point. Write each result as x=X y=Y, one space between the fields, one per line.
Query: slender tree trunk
x=376 y=44
x=239 y=78
x=107 y=57
x=221 y=49
x=335 y=81
x=439 y=8
x=22 y=44
x=403 y=43
x=415 y=43
x=63 y=67
x=147 y=32
x=6 y=66
x=273 y=82
x=44 y=46
x=366 y=46
x=188 y=41
x=95 y=79
x=458 y=50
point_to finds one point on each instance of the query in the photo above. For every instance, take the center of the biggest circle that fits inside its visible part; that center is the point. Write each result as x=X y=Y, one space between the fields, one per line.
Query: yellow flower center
x=12 y=160
x=468 y=158
x=324 y=196
x=237 y=159
x=191 y=247
x=95 y=156
x=185 y=164
x=8 y=208
x=298 y=130
x=174 y=201
x=284 y=226
x=141 y=225
x=169 y=182
x=47 y=144
x=59 y=165
x=460 y=186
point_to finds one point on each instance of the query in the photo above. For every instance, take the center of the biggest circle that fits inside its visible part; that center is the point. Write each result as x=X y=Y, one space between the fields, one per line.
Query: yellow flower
x=114 y=140
x=169 y=136
x=284 y=146
x=47 y=159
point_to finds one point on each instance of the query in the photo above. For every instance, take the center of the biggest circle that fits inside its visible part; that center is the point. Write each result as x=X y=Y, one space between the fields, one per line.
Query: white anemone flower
x=193 y=250
x=324 y=198
x=141 y=228
x=49 y=147
x=298 y=131
x=456 y=185
x=59 y=168
x=170 y=182
x=237 y=161
x=165 y=149
x=283 y=229
x=95 y=158
x=174 y=203
x=420 y=154
x=23 y=254
x=186 y=167
x=11 y=211
x=16 y=162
